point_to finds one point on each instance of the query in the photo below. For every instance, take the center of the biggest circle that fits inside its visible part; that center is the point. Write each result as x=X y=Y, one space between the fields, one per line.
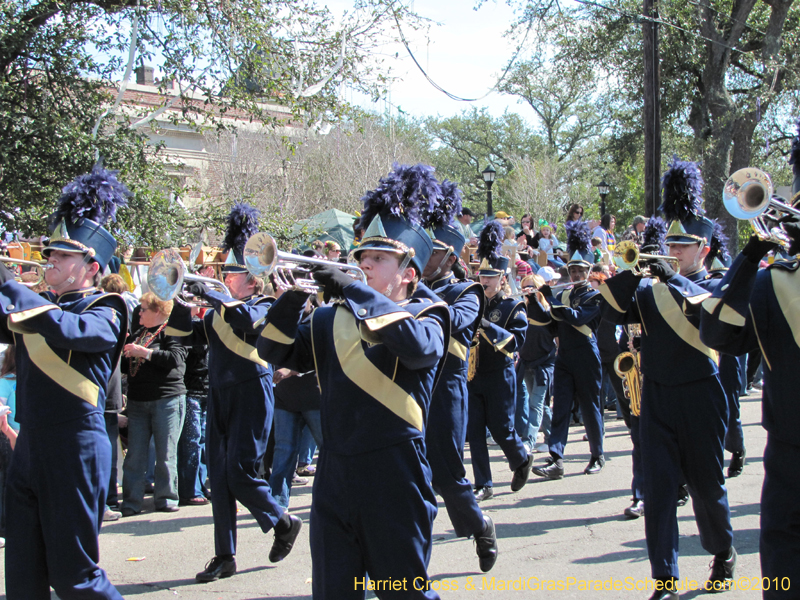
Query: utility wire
x=444 y=91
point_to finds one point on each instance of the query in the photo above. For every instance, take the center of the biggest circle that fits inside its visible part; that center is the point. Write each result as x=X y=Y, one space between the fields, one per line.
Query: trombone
x=748 y=195
x=41 y=267
x=262 y=259
x=627 y=257
x=167 y=273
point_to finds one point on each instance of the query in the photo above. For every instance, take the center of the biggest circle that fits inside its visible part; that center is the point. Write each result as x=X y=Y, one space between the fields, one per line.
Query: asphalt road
x=563 y=532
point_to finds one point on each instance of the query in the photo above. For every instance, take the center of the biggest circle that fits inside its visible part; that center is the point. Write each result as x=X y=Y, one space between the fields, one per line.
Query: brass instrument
x=41 y=267
x=748 y=195
x=262 y=258
x=628 y=366
x=167 y=273
x=627 y=257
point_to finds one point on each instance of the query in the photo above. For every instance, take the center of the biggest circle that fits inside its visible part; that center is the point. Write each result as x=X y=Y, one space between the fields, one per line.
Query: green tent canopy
x=333 y=224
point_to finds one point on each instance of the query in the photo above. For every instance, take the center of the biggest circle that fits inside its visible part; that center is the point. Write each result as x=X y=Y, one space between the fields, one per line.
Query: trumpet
x=748 y=195
x=167 y=274
x=627 y=257
x=262 y=259
x=41 y=267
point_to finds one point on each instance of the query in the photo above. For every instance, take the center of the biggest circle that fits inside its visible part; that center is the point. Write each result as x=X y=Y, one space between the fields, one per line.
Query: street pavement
x=570 y=533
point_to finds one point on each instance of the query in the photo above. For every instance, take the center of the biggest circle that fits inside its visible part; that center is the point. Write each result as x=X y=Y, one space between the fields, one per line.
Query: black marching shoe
x=595 y=465
x=683 y=495
x=217 y=568
x=635 y=510
x=736 y=466
x=483 y=493
x=521 y=474
x=553 y=469
x=486 y=545
x=285 y=541
x=664 y=593
x=722 y=570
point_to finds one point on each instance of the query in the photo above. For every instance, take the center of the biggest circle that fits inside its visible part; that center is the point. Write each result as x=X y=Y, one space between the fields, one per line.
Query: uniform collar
x=443 y=280
x=698 y=275
x=74 y=295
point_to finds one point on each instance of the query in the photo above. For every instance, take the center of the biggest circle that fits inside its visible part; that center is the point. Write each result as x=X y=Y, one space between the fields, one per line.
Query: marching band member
x=493 y=390
x=749 y=309
x=240 y=401
x=574 y=316
x=447 y=421
x=684 y=409
x=377 y=354
x=67 y=346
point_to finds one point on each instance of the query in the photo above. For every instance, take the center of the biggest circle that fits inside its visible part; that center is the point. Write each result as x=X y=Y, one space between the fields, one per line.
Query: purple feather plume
x=654 y=234
x=406 y=191
x=794 y=156
x=96 y=196
x=490 y=241
x=444 y=211
x=682 y=190
x=579 y=237
x=718 y=245
x=242 y=224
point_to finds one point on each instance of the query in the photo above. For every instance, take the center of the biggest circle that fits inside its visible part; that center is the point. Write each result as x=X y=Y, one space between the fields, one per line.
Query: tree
x=724 y=65
x=59 y=57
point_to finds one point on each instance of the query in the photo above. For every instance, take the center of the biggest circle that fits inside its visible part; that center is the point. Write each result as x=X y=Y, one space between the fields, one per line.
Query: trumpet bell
x=261 y=254
x=626 y=255
x=747 y=193
x=165 y=275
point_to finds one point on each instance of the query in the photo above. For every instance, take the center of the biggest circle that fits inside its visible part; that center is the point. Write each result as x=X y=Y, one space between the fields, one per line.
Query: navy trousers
x=579 y=378
x=681 y=429
x=730 y=375
x=493 y=404
x=780 y=516
x=238 y=425
x=444 y=439
x=381 y=528
x=56 y=497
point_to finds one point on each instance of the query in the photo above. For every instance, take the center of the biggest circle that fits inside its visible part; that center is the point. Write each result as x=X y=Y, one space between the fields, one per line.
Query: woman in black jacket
x=155 y=363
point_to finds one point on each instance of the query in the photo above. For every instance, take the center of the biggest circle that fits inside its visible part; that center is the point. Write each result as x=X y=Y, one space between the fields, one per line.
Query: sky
x=465 y=54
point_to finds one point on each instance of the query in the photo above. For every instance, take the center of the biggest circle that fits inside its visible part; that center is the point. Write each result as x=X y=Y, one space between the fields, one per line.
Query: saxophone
x=626 y=365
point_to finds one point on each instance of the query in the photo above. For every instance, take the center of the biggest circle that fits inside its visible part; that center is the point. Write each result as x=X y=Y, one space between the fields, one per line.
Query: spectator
x=605 y=231
x=192 y=470
x=527 y=229
x=156 y=364
x=636 y=230
x=548 y=244
x=332 y=251
x=8 y=426
x=465 y=220
x=115 y=284
x=575 y=213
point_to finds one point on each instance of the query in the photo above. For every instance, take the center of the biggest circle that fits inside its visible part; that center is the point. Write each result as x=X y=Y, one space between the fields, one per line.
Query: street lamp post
x=603 y=188
x=488 y=176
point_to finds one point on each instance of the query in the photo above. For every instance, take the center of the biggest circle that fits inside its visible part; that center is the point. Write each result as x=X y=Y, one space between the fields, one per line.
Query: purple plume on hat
x=96 y=196
x=718 y=245
x=242 y=224
x=794 y=156
x=654 y=234
x=579 y=237
x=404 y=192
x=443 y=212
x=682 y=190
x=490 y=241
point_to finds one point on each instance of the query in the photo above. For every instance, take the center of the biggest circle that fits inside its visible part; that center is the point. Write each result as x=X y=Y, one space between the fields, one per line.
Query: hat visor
x=683 y=239
x=234 y=269
x=490 y=272
x=62 y=246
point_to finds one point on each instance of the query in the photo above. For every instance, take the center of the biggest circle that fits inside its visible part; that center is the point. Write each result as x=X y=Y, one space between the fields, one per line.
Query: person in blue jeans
x=155 y=363
x=297 y=405
x=192 y=469
x=537 y=359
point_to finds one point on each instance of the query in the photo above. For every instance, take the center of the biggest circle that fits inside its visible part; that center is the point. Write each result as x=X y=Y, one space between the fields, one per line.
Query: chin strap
x=439 y=268
x=71 y=279
x=403 y=265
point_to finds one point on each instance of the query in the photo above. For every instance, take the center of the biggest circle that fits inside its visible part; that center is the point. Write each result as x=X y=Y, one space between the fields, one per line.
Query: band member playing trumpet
x=684 y=410
x=240 y=401
x=67 y=346
x=377 y=354
x=756 y=308
x=447 y=422
x=574 y=316
x=493 y=389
